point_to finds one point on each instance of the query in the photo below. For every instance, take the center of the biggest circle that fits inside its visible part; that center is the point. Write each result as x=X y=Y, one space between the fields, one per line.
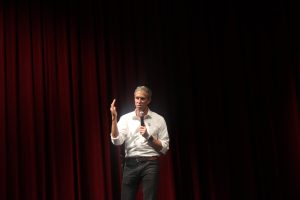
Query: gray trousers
x=136 y=172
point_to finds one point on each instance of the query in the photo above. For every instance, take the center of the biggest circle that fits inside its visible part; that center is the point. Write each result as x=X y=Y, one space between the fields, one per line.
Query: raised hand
x=113 y=110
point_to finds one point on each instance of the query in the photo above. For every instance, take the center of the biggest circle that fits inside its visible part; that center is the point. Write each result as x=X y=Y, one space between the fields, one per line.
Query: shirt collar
x=148 y=115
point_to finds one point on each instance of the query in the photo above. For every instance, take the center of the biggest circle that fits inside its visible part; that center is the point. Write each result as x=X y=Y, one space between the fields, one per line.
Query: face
x=141 y=100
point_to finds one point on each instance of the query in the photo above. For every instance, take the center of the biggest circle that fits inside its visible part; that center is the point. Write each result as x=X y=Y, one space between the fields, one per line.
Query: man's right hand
x=113 y=110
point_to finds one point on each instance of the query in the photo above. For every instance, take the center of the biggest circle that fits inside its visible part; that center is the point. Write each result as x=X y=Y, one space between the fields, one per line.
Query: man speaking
x=146 y=137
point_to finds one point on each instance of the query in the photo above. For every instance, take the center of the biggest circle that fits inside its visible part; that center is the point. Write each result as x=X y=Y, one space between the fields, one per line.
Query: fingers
x=113 y=103
x=113 y=110
x=112 y=106
x=143 y=129
x=144 y=132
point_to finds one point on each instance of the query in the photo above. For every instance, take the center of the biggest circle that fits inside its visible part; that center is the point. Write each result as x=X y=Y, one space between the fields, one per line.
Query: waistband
x=141 y=159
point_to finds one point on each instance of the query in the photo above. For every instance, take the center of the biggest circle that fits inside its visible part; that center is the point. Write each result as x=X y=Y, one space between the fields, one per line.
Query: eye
x=140 y=98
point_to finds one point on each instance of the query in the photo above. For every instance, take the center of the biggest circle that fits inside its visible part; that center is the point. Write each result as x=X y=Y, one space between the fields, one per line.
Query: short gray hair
x=145 y=89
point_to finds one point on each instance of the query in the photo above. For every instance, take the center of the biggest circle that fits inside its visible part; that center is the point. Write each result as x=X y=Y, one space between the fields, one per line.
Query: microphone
x=142 y=118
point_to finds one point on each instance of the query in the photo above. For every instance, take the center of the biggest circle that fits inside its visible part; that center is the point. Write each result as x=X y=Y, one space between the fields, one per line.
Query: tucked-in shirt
x=135 y=144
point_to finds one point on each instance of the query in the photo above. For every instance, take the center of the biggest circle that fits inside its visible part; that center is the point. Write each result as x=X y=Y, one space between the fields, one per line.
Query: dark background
x=224 y=74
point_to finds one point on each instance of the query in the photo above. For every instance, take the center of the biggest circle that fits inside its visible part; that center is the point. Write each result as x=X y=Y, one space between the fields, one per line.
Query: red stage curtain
x=226 y=79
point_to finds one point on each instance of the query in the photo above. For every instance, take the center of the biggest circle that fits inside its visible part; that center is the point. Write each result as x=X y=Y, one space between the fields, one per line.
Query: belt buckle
x=140 y=159
x=137 y=159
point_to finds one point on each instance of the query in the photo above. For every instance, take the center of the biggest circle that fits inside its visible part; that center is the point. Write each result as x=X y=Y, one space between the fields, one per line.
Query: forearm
x=114 y=128
x=156 y=144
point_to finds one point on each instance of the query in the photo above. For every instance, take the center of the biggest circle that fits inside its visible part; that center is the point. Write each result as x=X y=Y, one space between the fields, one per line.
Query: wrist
x=150 y=138
x=146 y=136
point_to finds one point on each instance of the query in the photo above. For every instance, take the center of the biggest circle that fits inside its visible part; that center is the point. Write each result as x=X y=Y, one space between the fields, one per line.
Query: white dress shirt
x=135 y=143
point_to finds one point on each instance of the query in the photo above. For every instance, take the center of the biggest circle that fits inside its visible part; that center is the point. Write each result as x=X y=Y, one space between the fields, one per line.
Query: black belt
x=141 y=159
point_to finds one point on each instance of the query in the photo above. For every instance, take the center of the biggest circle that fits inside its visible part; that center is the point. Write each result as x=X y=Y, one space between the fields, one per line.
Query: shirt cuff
x=115 y=140
x=164 y=148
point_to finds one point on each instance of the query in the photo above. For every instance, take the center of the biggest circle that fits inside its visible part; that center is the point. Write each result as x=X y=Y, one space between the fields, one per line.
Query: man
x=145 y=135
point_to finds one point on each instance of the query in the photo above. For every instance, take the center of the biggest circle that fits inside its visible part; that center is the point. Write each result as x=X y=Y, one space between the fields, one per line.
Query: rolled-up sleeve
x=116 y=140
x=122 y=128
x=164 y=138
